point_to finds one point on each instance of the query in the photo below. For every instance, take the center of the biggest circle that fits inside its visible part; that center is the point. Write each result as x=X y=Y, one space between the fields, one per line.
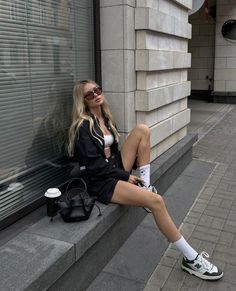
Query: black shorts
x=103 y=189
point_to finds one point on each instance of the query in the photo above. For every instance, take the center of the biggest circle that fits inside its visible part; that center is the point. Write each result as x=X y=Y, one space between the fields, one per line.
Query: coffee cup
x=52 y=195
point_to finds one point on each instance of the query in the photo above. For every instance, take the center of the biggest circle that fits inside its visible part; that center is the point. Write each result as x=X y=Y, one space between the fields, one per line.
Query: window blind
x=45 y=46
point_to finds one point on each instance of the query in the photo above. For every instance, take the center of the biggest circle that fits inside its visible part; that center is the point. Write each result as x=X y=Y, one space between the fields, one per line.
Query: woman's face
x=93 y=96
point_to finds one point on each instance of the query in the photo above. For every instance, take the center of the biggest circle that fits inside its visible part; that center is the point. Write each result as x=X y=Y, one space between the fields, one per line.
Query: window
x=229 y=30
x=45 y=46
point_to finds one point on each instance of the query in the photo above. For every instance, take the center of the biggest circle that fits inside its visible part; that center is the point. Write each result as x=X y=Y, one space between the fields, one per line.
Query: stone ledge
x=152 y=60
x=148 y=100
x=50 y=255
x=151 y=19
x=167 y=127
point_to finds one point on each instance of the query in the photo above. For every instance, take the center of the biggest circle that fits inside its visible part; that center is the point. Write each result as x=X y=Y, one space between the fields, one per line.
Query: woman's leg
x=194 y=263
x=129 y=194
x=136 y=147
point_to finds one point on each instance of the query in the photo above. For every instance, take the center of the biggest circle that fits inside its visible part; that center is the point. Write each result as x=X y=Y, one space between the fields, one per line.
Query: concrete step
x=60 y=256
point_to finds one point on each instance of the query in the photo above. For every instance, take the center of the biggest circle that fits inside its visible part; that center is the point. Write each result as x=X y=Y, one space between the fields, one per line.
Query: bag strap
x=75 y=179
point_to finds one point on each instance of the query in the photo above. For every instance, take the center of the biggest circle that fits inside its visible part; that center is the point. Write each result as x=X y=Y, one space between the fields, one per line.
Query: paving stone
x=207 y=230
x=205 y=220
x=204 y=236
x=194 y=214
x=229 y=273
x=208 y=247
x=175 y=279
x=234 y=242
x=195 y=242
x=199 y=207
x=226 y=249
x=224 y=195
x=232 y=215
x=218 y=286
x=159 y=276
x=215 y=201
x=218 y=223
x=187 y=229
x=226 y=238
x=191 y=220
x=216 y=212
x=168 y=261
x=227 y=204
x=191 y=283
x=230 y=226
x=173 y=253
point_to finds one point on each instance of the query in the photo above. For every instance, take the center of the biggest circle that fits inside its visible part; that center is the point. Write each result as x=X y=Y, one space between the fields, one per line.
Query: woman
x=93 y=140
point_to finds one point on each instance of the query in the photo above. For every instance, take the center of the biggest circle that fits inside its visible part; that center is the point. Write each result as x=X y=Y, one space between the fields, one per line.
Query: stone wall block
x=129 y=31
x=129 y=70
x=154 y=79
x=113 y=70
x=230 y=86
x=167 y=127
x=219 y=85
x=123 y=111
x=182 y=60
x=162 y=113
x=151 y=19
x=220 y=63
x=225 y=51
x=148 y=3
x=151 y=60
x=109 y=3
x=167 y=143
x=222 y=74
x=112 y=27
x=149 y=100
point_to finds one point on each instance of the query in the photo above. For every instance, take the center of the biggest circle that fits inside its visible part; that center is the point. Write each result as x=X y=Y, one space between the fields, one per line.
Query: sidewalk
x=143 y=262
x=210 y=224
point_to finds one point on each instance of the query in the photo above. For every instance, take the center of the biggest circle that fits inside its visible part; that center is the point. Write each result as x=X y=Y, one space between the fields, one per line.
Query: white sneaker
x=153 y=189
x=202 y=268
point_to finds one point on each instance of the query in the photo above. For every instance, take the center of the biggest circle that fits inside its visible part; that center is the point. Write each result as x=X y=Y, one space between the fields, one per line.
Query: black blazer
x=90 y=154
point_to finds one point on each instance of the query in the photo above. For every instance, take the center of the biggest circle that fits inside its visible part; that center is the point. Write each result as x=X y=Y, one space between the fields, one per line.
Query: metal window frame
x=97 y=41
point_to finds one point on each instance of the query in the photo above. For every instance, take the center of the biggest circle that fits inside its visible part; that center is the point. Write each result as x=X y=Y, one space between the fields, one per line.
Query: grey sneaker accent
x=202 y=268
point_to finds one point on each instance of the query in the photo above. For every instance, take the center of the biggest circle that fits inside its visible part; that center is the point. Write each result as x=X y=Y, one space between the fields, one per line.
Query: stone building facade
x=144 y=54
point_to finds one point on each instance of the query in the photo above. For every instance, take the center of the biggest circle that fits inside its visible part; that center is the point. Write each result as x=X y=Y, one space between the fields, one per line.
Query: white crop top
x=108 y=140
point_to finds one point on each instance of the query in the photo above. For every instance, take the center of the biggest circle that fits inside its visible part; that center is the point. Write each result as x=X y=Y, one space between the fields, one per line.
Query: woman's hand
x=135 y=180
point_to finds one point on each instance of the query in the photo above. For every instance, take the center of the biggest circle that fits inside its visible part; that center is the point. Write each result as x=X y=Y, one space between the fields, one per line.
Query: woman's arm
x=91 y=155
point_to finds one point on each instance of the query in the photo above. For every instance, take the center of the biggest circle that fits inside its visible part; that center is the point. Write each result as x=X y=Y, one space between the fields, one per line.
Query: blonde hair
x=80 y=113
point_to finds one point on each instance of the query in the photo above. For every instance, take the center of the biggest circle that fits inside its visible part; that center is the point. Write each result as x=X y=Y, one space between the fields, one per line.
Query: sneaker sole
x=202 y=276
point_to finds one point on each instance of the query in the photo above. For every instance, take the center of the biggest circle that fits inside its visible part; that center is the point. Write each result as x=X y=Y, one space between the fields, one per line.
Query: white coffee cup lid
x=52 y=193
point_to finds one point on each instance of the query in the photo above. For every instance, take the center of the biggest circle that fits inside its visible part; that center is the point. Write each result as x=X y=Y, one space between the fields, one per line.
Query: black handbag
x=77 y=204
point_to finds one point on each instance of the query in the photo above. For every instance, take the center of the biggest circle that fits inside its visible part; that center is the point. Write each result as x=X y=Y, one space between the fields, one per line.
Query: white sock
x=144 y=174
x=186 y=249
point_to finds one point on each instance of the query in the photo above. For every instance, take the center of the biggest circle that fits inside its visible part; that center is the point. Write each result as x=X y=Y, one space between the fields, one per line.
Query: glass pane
x=45 y=46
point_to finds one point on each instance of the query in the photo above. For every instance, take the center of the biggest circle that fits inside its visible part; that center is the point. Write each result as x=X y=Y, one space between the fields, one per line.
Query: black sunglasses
x=91 y=94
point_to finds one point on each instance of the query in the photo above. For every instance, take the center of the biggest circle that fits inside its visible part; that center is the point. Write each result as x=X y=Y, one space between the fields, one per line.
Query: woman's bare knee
x=143 y=129
x=157 y=203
